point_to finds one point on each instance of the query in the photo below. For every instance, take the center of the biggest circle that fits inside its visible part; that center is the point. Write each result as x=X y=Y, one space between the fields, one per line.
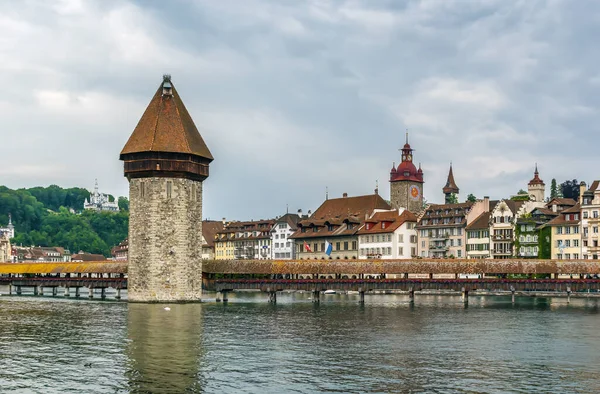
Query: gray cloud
x=292 y=97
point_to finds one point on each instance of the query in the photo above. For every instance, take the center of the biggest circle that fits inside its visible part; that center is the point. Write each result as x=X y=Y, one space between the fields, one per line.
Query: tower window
x=142 y=189
x=169 y=189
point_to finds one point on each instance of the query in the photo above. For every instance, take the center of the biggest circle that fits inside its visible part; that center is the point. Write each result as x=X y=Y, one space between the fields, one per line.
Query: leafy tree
x=521 y=191
x=452 y=199
x=553 y=189
x=471 y=197
x=123 y=203
x=570 y=189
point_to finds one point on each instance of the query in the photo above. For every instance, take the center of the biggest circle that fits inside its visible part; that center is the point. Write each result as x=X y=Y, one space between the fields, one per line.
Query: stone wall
x=165 y=240
x=400 y=197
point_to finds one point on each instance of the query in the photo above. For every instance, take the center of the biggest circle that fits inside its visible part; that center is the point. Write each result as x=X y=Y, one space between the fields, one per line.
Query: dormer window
x=315 y=229
x=406 y=173
x=330 y=227
x=368 y=226
x=349 y=226
x=382 y=224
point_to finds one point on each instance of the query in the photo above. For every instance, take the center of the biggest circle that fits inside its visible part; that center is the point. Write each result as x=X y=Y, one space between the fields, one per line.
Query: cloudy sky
x=296 y=96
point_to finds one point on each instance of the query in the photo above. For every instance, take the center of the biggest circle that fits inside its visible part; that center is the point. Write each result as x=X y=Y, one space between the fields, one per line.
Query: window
x=400 y=251
x=585 y=214
x=413 y=239
x=568 y=230
x=559 y=230
x=459 y=253
x=401 y=238
x=169 y=189
x=459 y=242
x=595 y=229
x=576 y=256
x=568 y=256
x=422 y=244
x=346 y=245
x=576 y=243
x=142 y=189
x=354 y=246
x=276 y=236
x=595 y=214
x=576 y=230
x=315 y=229
x=377 y=238
x=413 y=251
x=315 y=247
x=337 y=245
x=568 y=243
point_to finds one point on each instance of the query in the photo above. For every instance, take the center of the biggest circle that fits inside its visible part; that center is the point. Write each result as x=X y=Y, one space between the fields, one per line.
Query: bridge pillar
x=118 y=295
x=67 y=292
x=406 y=275
x=77 y=292
x=90 y=292
x=568 y=295
x=18 y=290
x=555 y=276
x=361 y=294
x=10 y=289
x=35 y=290
x=273 y=297
x=225 y=299
x=411 y=294
x=103 y=292
x=316 y=296
x=54 y=291
x=430 y=276
x=218 y=297
x=465 y=295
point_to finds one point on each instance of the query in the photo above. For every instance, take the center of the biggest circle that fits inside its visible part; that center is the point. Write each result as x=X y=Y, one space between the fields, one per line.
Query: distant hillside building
x=40 y=254
x=100 y=202
x=5 y=248
x=9 y=230
x=120 y=252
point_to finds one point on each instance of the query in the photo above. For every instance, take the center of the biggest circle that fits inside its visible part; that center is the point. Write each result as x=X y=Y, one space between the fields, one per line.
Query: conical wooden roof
x=450 y=183
x=166 y=126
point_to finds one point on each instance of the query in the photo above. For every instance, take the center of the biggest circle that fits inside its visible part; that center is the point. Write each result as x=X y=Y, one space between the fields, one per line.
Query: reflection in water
x=165 y=348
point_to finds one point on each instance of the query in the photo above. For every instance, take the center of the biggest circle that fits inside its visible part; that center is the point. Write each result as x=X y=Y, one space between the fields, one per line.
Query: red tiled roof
x=391 y=217
x=209 y=230
x=166 y=126
x=482 y=221
x=561 y=201
x=536 y=178
x=561 y=219
x=450 y=183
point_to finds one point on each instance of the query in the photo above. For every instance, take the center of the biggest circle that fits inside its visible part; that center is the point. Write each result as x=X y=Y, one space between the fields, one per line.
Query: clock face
x=403 y=157
x=415 y=192
x=409 y=157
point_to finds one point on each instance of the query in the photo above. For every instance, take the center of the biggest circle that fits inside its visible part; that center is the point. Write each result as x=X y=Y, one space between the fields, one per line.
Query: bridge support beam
x=77 y=292
x=67 y=291
x=54 y=291
x=10 y=289
x=465 y=295
x=568 y=295
x=411 y=295
x=103 y=292
x=18 y=290
x=225 y=296
x=90 y=292
x=35 y=290
x=316 y=296
x=273 y=297
x=361 y=294
x=118 y=295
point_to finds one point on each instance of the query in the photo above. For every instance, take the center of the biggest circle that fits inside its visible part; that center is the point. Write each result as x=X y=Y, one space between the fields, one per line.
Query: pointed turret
x=536 y=187
x=450 y=187
x=165 y=141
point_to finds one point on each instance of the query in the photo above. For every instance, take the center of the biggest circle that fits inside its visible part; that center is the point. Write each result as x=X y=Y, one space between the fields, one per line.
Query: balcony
x=501 y=237
x=440 y=247
x=503 y=252
x=440 y=237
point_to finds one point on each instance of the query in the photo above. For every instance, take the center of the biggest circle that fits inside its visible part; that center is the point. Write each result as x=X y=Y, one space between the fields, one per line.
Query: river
x=437 y=344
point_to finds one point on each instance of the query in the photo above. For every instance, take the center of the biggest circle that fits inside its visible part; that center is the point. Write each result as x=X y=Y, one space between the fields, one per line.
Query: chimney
x=300 y=212
x=486 y=203
x=345 y=195
x=582 y=188
x=224 y=221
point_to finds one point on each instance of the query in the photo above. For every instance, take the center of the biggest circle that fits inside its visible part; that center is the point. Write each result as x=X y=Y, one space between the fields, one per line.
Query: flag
x=306 y=247
x=328 y=248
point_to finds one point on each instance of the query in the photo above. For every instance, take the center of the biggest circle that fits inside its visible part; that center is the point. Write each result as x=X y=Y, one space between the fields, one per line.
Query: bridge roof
x=99 y=267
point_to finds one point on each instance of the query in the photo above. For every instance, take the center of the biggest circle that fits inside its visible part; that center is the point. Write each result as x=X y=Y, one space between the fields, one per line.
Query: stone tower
x=450 y=188
x=406 y=183
x=165 y=161
x=536 y=187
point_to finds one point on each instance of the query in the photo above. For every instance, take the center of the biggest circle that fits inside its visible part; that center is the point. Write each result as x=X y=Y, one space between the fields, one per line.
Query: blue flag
x=328 y=248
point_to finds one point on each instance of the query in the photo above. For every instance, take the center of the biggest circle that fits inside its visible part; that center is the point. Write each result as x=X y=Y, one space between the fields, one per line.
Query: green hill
x=42 y=217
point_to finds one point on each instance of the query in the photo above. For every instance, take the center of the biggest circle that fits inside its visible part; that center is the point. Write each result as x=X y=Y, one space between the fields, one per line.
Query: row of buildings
x=366 y=227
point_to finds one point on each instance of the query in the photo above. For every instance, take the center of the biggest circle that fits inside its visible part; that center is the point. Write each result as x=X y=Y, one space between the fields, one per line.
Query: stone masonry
x=165 y=240
x=400 y=196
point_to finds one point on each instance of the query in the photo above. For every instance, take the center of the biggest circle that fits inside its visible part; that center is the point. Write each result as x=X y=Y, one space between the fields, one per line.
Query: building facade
x=502 y=228
x=478 y=237
x=406 y=183
x=165 y=161
x=210 y=228
x=100 y=202
x=5 y=247
x=283 y=247
x=336 y=222
x=250 y=240
x=590 y=220
x=120 y=252
x=565 y=234
x=388 y=235
x=441 y=230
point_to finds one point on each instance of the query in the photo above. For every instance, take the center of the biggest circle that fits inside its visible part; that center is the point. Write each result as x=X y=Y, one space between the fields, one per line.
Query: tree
x=521 y=191
x=471 y=197
x=123 y=203
x=570 y=189
x=553 y=189
x=452 y=199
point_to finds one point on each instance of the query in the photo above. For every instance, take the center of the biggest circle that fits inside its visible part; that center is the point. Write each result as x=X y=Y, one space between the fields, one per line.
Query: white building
x=388 y=235
x=10 y=229
x=282 y=247
x=100 y=202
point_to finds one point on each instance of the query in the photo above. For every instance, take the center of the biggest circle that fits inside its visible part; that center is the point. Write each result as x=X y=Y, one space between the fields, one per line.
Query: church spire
x=451 y=187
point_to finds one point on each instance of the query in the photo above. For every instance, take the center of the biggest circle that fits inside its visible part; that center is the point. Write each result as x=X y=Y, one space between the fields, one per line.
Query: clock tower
x=406 y=182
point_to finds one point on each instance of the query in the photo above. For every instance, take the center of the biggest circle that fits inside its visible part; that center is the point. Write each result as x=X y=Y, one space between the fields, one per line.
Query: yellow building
x=565 y=234
x=224 y=245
